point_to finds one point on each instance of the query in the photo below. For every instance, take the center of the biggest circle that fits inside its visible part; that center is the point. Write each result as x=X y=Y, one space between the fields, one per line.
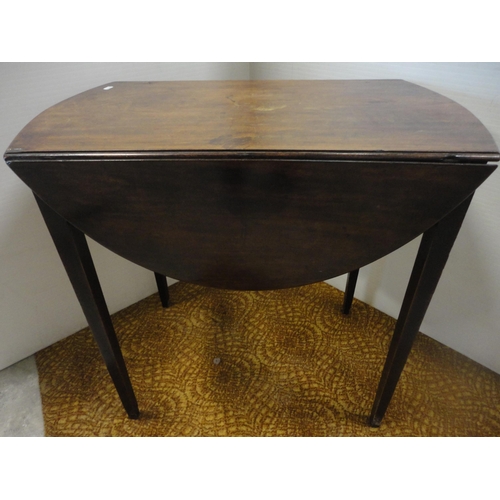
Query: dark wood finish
x=75 y=255
x=330 y=116
x=251 y=224
x=254 y=185
x=432 y=255
x=161 y=283
x=352 y=279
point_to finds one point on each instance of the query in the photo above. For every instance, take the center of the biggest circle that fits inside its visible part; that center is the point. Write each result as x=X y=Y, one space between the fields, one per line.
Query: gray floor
x=20 y=402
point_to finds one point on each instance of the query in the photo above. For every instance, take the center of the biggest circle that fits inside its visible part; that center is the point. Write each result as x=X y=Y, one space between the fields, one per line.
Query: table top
x=254 y=184
x=381 y=119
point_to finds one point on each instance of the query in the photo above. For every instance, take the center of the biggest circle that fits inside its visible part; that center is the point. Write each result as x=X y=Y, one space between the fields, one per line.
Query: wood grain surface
x=251 y=224
x=296 y=116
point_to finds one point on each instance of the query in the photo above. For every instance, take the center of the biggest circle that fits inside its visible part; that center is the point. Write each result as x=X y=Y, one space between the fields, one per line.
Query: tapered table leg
x=75 y=255
x=352 y=278
x=161 y=283
x=432 y=255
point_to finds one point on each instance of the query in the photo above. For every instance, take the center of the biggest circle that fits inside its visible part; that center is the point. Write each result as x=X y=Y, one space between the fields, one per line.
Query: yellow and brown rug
x=273 y=363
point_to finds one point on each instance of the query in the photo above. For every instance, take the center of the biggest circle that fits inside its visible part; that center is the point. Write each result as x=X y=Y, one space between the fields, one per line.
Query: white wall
x=37 y=304
x=465 y=311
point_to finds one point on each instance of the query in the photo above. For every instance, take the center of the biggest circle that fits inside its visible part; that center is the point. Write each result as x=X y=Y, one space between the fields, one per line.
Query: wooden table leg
x=161 y=283
x=75 y=255
x=352 y=278
x=432 y=255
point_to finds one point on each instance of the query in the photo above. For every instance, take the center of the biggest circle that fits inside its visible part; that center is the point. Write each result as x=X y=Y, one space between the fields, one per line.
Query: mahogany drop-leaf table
x=253 y=185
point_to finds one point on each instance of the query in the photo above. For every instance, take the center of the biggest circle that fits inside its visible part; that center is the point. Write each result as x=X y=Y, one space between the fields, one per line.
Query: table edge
x=431 y=156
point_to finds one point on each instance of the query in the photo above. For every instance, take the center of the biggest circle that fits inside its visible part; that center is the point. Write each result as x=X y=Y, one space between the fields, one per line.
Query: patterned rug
x=272 y=363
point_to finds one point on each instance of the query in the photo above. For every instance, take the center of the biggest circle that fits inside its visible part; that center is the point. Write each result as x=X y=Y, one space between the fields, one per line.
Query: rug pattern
x=268 y=363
